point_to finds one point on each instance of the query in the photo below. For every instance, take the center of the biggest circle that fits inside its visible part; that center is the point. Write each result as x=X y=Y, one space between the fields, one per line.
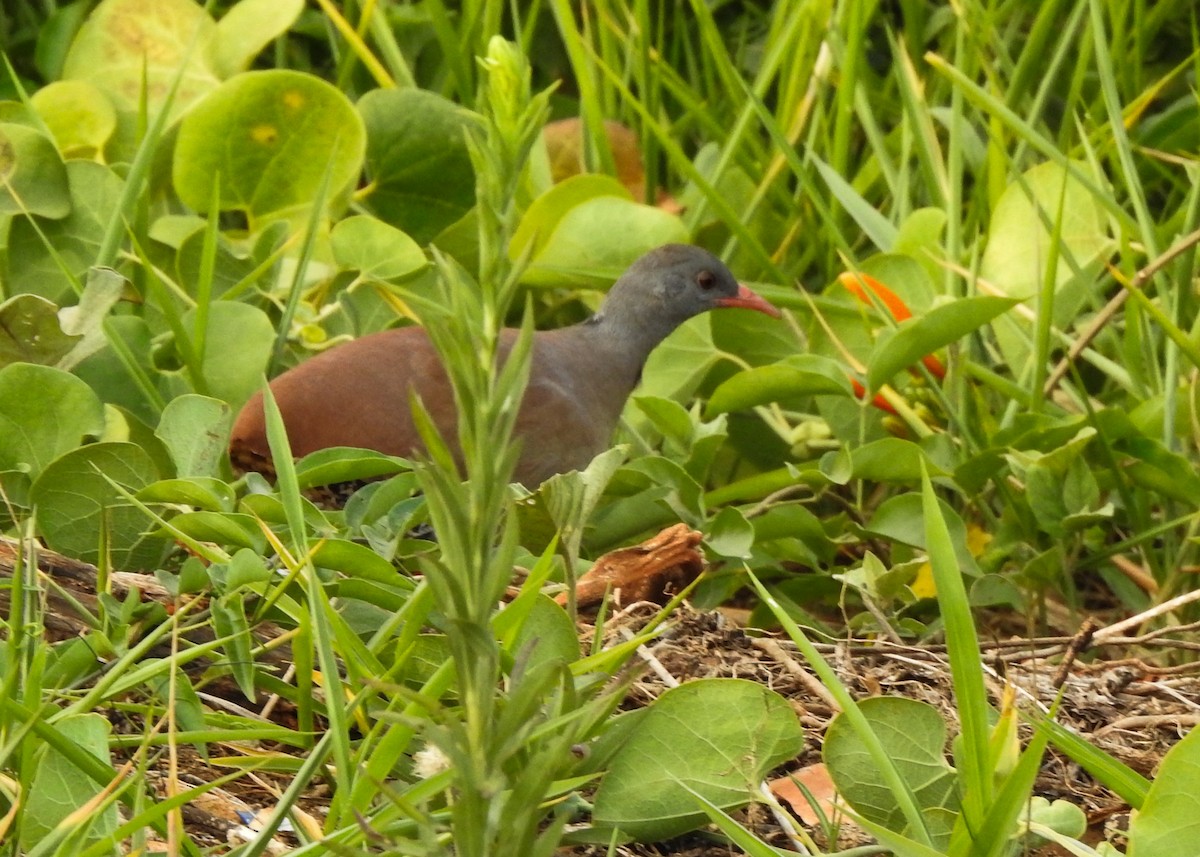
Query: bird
x=358 y=393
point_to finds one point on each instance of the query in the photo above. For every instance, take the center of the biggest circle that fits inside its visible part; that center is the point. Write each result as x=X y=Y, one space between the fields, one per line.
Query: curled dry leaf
x=651 y=571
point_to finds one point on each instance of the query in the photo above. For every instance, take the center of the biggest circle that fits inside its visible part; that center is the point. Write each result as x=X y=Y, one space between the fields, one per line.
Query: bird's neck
x=627 y=337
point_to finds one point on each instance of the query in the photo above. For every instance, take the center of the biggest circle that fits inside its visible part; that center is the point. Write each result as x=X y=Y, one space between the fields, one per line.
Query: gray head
x=666 y=287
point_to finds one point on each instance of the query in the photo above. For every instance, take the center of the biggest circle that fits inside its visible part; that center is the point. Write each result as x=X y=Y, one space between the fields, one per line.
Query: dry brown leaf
x=651 y=571
x=816 y=779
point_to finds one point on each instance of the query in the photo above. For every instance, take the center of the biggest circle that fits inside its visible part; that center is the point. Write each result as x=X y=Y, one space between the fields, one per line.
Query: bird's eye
x=706 y=280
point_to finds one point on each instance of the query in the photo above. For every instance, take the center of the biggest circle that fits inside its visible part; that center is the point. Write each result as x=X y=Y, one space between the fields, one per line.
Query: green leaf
x=238 y=349
x=212 y=495
x=598 y=239
x=791 y=378
x=944 y=324
x=85 y=320
x=194 y=430
x=221 y=528
x=1168 y=824
x=678 y=365
x=914 y=735
x=668 y=417
x=902 y=519
x=58 y=788
x=1018 y=245
x=545 y=212
x=281 y=131
x=247 y=568
x=1148 y=464
x=55 y=36
x=44 y=413
x=919 y=239
x=683 y=493
x=75 y=502
x=247 y=28
x=30 y=332
x=354 y=559
x=1044 y=492
x=546 y=634
x=890 y=459
x=229 y=620
x=904 y=277
x=345 y=464
x=129 y=46
x=422 y=180
x=37 y=256
x=877 y=227
x=716 y=736
x=78 y=114
x=569 y=499
x=33 y=178
x=377 y=249
x=730 y=534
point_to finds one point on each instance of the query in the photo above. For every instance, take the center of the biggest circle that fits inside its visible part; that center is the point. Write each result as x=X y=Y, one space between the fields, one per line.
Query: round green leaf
x=59 y=788
x=717 y=737
x=598 y=239
x=543 y=215
x=30 y=332
x=127 y=47
x=32 y=176
x=377 y=249
x=95 y=192
x=914 y=735
x=44 y=413
x=421 y=173
x=75 y=501
x=194 y=430
x=247 y=28
x=1018 y=246
x=238 y=349
x=268 y=138
x=78 y=114
x=1168 y=824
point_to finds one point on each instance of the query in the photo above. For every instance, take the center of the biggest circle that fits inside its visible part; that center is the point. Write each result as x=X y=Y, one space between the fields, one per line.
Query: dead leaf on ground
x=816 y=779
x=651 y=571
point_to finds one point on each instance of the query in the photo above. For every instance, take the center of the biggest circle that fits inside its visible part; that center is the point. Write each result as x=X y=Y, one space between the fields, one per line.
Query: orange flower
x=854 y=282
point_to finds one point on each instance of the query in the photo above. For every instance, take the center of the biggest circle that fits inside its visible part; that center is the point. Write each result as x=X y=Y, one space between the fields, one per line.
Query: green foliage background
x=195 y=197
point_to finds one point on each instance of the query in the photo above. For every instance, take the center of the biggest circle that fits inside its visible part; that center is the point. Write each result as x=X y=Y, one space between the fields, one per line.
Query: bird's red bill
x=746 y=299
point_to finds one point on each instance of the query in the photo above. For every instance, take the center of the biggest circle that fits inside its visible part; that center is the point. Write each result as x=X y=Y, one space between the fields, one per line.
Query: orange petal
x=934 y=366
x=854 y=282
x=879 y=401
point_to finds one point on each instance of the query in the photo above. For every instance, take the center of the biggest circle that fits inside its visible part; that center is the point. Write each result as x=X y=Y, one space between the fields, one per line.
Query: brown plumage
x=357 y=394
